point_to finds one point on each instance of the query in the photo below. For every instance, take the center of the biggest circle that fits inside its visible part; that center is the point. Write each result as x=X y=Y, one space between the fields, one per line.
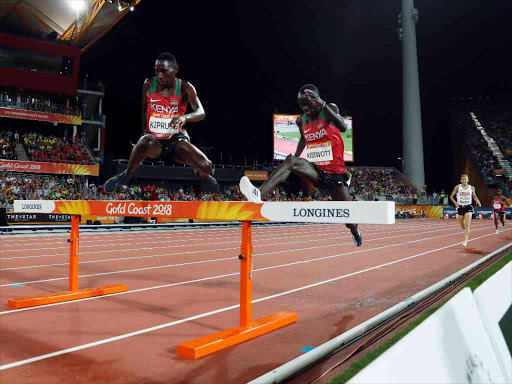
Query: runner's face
x=165 y=73
x=307 y=106
x=464 y=180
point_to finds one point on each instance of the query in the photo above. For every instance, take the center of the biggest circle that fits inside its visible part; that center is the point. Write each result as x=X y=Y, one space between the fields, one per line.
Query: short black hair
x=166 y=56
x=311 y=87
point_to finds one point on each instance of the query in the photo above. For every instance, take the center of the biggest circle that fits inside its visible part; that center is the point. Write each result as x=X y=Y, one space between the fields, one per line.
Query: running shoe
x=113 y=183
x=465 y=244
x=358 y=239
x=209 y=185
x=349 y=175
x=249 y=190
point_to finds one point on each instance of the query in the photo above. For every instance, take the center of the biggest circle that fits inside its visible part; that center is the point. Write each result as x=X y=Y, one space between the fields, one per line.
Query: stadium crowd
x=478 y=146
x=367 y=185
x=45 y=148
x=54 y=149
x=37 y=187
x=39 y=104
x=7 y=146
x=370 y=182
x=496 y=118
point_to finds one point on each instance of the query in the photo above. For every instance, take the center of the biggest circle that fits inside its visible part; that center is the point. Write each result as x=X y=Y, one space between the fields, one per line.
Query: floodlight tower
x=412 y=146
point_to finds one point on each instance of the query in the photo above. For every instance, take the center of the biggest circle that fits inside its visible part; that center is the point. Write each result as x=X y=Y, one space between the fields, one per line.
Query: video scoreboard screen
x=287 y=136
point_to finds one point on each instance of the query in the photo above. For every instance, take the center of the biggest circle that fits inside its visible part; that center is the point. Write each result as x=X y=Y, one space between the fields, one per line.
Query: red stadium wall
x=18 y=78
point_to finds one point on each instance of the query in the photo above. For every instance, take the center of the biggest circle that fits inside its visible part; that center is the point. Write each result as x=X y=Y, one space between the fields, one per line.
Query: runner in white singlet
x=465 y=194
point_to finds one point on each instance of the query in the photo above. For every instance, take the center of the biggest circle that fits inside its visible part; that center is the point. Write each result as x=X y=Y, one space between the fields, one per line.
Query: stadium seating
x=7 y=146
x=54 y=149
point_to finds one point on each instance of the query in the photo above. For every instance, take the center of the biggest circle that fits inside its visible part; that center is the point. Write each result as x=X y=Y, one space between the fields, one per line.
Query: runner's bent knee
x=146 y=142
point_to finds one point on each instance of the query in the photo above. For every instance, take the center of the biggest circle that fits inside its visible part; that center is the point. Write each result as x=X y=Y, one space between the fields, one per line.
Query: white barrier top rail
x=360 y=212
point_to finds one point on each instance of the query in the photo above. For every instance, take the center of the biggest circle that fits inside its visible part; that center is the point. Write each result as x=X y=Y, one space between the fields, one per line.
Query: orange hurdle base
x=32 y=301
x=206 y=345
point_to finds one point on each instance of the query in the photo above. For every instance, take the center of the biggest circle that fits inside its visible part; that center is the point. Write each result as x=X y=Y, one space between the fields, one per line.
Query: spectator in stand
x=54 y=149
x=7 y=147
x=477 y=144
x=372 y=182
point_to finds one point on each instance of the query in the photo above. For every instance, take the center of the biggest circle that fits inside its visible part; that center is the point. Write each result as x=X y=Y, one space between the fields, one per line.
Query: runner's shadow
x=342 y=325
x=474 y=251
x=215 y=369
x=60 y=368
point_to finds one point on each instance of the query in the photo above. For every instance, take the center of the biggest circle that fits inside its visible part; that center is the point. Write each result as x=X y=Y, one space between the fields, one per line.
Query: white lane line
x=13 y=240
x=202 y=315
x=316 y=228
x=214 y=250
x=116 y=236
x=187 y=245
x=224 y=259
x=182 y=239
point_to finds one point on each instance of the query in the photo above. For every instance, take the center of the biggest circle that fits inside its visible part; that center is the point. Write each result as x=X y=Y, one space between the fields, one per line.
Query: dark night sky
x=248 y=59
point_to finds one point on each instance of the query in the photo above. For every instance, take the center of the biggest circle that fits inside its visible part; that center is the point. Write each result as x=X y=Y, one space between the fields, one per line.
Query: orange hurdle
x=248 y=329
x=382 y=212
x=74 y=293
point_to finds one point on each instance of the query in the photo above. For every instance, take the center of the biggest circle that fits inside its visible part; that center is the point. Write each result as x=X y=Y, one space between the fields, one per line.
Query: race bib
x=162 y=126
x=497 y=206
x=319 y=152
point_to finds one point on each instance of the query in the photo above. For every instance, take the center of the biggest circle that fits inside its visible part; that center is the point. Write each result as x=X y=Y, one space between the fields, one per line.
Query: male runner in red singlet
x=498 y=203
x=164 y=104
x=320 y=127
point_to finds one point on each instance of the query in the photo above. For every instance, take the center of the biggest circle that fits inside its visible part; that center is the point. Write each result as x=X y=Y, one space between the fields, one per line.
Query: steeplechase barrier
x=367 y=212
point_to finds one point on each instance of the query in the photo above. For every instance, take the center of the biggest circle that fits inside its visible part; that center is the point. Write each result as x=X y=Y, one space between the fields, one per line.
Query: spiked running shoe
x=113 y=183
x=209 y=185
x=250 y=191
x=358 y=239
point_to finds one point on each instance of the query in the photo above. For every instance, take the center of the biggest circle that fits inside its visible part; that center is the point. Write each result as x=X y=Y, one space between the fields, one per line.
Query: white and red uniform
x=465 y=195
x=498 y=205
x=324 y=145
x=161 y=110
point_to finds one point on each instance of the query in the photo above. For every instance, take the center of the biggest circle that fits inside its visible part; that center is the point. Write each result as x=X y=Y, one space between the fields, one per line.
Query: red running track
x=184 y=285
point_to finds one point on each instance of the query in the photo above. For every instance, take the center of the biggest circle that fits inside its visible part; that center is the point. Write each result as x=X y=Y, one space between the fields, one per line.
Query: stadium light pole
x=413 y=163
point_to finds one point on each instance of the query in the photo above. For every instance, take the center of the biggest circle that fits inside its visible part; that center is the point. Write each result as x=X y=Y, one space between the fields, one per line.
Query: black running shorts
x=169 y=146
x=331 y=180
x=463 y=209
x=498 y=214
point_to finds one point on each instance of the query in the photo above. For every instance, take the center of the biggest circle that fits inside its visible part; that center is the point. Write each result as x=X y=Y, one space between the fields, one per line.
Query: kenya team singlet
x=324 y=145
x=161 y=110
x=498 y=205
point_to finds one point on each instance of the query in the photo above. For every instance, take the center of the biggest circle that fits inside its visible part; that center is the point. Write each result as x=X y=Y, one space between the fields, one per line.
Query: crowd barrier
x=478 y=213
x=419 y=211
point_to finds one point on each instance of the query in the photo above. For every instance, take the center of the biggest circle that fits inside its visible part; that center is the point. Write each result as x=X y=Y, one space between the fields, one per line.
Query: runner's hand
x=479 y=205
x=314 y=98
x=456 y=206
x=177 y=123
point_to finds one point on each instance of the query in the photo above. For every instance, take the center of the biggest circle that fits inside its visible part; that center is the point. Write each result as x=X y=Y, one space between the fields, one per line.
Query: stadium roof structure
x=78 y=22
